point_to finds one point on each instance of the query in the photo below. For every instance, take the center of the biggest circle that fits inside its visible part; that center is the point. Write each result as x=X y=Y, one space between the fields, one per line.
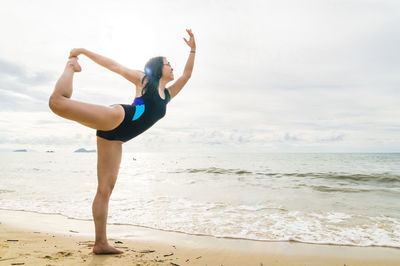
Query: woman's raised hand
x=191 y=42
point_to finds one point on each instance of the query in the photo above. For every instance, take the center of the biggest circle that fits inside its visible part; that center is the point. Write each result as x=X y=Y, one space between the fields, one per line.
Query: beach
x=204 y=209
x=29 y=238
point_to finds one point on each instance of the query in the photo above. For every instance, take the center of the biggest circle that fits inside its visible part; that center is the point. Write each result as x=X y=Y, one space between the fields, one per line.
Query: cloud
x=22 y=75
x=313 y=44
x=21 y=89
x=333 y=138
x=289 y=137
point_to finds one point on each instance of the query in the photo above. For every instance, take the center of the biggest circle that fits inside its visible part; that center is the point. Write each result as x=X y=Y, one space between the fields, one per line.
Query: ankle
x=70 y=66
x=73 y=64
x=101 y=242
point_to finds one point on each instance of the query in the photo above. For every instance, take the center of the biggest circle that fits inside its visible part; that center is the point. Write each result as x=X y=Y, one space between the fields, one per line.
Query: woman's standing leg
x=108 y=162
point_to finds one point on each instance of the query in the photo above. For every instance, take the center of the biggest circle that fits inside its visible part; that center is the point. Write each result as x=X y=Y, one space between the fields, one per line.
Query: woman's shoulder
x=140 y=86
x=134 y=76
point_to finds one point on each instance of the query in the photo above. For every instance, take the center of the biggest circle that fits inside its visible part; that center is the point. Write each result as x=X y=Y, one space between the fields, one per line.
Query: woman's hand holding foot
x=75 y=52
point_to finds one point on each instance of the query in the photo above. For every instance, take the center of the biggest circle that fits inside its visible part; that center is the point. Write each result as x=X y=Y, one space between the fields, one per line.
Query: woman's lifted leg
x=91 y=115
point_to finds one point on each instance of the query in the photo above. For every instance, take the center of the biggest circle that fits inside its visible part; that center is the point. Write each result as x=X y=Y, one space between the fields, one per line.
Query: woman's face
x=167 y=71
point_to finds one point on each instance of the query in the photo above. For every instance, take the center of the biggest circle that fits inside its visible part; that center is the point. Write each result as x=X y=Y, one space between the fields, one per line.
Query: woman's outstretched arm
x=132 y=75
x=187 y=72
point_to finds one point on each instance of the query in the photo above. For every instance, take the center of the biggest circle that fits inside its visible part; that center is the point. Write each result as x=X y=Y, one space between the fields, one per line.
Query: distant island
x=84 y=150
x=23 y=150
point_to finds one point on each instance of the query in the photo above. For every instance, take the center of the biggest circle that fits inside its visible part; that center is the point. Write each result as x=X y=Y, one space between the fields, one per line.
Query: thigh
x=91 y=115
x=108 y=161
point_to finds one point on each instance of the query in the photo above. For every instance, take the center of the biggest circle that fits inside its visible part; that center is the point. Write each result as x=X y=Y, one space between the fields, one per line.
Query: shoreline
x=53 y=238
x=196 y=235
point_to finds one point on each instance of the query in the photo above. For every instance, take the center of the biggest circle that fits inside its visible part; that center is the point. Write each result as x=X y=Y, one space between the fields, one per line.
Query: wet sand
x=28 y=238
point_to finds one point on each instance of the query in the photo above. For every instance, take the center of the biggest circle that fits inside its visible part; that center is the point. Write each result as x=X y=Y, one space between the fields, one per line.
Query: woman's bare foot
x=105 y=249
x=73 y=61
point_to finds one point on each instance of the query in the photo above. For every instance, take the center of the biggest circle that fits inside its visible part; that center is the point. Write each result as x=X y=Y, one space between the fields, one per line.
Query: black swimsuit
x=144 y=112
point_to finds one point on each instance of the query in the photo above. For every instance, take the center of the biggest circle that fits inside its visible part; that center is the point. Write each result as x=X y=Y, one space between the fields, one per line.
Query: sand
x=28 y=238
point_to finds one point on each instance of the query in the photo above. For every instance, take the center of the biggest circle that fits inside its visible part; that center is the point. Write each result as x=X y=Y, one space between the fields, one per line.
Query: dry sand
x=28 y=238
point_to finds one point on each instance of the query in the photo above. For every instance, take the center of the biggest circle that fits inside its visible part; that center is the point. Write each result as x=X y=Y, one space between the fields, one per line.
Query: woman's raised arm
x=187 y=72
x=133 y=76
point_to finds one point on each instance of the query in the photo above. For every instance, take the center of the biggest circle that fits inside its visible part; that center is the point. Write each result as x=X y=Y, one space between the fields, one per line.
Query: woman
x=118 y=123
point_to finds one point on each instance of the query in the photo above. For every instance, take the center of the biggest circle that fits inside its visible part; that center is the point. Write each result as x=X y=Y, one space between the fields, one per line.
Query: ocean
x=325 y=198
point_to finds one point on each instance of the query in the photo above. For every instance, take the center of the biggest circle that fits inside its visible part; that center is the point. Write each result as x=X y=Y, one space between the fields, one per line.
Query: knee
x=55 y=103
x=104 y=191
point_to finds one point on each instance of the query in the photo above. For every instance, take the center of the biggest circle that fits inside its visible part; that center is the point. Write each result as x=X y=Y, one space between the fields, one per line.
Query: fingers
x=189 y=31
x=190 y=42
x=73 y=54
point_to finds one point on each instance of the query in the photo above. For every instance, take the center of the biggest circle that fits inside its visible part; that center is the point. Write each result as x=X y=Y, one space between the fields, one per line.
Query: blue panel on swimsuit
x=138 y=101
x=139 y=110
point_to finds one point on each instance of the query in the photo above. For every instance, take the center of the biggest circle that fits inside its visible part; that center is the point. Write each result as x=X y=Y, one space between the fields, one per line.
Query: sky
x=269 y=76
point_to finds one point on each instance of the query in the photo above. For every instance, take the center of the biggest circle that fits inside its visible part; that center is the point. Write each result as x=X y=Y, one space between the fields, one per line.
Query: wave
x=374 y=177
x=386 y=178
x=215 y=170
x=343 y=190
x=6 y=191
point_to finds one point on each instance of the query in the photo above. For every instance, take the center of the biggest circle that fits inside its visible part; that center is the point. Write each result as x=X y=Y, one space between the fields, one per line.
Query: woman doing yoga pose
x=120 y=122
